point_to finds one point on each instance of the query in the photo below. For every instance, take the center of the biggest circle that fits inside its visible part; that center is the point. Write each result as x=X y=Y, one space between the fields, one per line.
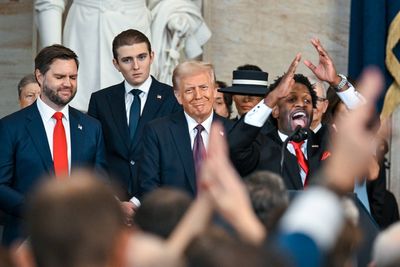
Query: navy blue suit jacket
x=167 y=154
x=25 y=158
x=122 y=154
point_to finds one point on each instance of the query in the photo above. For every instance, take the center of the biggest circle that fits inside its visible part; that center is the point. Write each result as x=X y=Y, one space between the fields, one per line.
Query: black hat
x=248 y=82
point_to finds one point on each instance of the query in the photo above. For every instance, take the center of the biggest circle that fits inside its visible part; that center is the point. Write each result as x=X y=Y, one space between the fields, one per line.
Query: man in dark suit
x=174 y=146
x=113 y=107
x=290 y=102
x=30 y=144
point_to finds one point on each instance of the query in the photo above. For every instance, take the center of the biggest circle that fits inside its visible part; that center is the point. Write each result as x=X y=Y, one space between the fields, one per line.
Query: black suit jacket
x=251 y=149
x=25 y=157
x=123 y=154
x=167 y=155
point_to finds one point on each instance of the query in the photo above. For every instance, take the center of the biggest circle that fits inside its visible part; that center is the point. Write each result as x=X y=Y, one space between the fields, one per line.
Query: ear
x=152 y=55
x=116 y=65
x=326 y=104
x=275 y=112
x=39 y=77
x=178 y=95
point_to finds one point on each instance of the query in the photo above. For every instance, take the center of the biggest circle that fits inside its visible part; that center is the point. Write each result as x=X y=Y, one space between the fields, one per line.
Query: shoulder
x=84 y=118
x=108 y=90
x=18 y=116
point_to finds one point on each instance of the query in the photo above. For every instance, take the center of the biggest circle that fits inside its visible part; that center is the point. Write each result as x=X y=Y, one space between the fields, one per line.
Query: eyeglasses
x=321 y=99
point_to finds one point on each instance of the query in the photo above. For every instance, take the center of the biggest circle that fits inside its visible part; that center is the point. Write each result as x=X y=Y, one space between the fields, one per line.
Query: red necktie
x=301 y=160
x=60 y=155
x=199 y=150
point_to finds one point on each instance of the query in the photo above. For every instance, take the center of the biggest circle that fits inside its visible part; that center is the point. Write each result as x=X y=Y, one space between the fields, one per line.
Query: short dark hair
x=298 y=78
x=47 y=55
x=161 y=210
x=27 y=79
x=268 y=196
x=129 y=37
x=73 y=222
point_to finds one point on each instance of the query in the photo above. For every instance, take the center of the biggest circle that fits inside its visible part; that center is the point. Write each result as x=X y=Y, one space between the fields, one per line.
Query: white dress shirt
x=46 y=113
x=204 y=134
x=144 y=87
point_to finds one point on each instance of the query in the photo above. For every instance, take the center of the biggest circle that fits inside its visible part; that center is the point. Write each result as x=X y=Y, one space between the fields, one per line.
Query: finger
x=217 y=146
x=293 y=66
x=311 y=66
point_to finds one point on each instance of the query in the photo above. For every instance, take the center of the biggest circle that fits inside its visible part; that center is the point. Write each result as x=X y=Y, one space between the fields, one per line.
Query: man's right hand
x=284 y=86
x=128 y=208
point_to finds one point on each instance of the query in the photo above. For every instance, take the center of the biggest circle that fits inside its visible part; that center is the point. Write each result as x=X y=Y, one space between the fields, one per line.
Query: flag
x=375 y=40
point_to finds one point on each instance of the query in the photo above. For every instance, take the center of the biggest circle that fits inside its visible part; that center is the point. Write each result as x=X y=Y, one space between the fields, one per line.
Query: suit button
x=132 y=162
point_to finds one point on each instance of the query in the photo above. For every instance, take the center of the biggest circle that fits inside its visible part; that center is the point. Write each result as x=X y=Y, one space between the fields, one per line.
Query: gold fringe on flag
x=392 y=97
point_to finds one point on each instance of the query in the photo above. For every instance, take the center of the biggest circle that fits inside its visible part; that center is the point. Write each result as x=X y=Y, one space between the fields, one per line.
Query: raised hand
x=325 y=70
x=351 y=145
x=284 y=86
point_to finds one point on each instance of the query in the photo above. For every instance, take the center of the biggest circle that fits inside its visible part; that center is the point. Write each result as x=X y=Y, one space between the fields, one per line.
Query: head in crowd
x=386 y=247
x=322 y=102
x=28 y=90
x=268 y=196
x=161 y=210
x=245 y=103
x=215 y=248
x=132 y=56
x=297 y=107
x=223 y=102
x=147 y=250
x=56 y=71
x=194 y=87
x=74 y=222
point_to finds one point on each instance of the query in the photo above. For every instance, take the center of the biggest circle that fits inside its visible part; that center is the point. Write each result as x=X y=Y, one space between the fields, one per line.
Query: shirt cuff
x=258 y=115
x=351 y=98
x=135 y=202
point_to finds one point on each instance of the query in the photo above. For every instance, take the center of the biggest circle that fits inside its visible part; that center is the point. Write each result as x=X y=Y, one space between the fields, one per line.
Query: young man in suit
x=174 y=146
x=47 y=137
x=290 y=102
x=123 y=114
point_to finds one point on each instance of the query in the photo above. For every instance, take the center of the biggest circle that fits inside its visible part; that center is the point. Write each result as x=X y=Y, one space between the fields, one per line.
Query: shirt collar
x=144 y=87
x=206 y=123
x=316 y=129
x=46 y=112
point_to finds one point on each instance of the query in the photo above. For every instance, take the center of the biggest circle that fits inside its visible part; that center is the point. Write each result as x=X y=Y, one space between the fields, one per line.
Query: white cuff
x=351 y=98
x=258 y=115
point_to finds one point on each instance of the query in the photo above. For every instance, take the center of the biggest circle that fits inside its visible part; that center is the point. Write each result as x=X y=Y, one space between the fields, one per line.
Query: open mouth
x=299 y=118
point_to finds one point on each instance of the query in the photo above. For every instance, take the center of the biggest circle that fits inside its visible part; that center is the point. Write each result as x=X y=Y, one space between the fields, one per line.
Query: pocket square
x=325 y=155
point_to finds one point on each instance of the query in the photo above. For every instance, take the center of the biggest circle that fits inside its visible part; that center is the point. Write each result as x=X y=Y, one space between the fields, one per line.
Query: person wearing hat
x=243 y=99
x=289 y=104
x=249 y=87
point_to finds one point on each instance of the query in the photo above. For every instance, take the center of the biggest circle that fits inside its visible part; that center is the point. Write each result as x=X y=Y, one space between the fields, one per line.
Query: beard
x=52 y=95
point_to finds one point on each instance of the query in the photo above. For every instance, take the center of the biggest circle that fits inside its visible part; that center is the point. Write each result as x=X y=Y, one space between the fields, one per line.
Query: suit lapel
x=37 y=132
x=117 y=106
x=181 y=137
x=290 y=165
x=77 y=136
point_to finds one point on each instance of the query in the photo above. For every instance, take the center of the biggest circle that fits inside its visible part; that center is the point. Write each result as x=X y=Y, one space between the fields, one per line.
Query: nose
x=135 y=64
x=67 y=82
x=197 y=93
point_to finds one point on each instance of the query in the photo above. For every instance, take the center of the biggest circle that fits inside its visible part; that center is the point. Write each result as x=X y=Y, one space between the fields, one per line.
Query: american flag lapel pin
x=80 y=127
x=159 y=96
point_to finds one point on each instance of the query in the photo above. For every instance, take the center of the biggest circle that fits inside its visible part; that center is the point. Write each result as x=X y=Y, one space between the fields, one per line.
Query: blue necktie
x=134 y=113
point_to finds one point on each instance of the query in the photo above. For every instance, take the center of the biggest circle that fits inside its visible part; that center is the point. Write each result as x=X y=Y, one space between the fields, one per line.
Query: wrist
x=340 y=83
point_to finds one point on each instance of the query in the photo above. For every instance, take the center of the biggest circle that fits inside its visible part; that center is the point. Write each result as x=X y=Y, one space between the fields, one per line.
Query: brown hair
x=47 y=55
x=129 y=37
